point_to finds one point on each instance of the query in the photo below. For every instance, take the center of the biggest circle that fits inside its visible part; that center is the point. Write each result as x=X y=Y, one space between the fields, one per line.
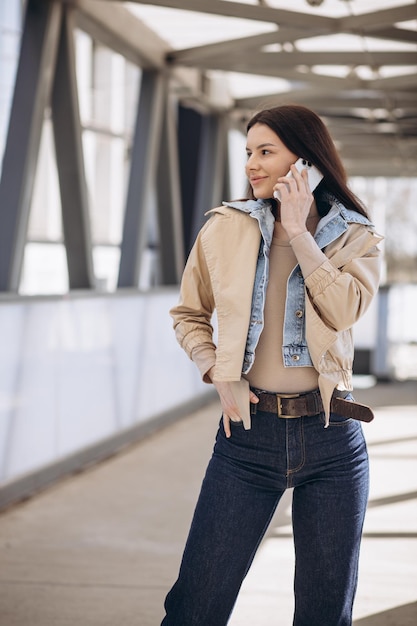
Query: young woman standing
x=288 y=279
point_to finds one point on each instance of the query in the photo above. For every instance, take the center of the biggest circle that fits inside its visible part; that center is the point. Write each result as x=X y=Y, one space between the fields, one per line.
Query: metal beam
x=392 y=83
x=171 y=238
x=31 y=96
x=116 y=27
x=194 y=55
x=346 y=57
x=203 y=143
x=211 y=168
x=221 y=187
x=244 y=46
x=304 y=78
x=247 y=11
x=377 y=19
x=70 y=161
x=260 y=62
x=363 y=24
x=190 y=124
x=226 y=191
x=403 y=35
x=327 y=99
x=142 y=177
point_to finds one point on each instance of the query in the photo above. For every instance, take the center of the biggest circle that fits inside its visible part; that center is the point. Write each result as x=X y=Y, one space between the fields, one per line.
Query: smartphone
x=314 y=176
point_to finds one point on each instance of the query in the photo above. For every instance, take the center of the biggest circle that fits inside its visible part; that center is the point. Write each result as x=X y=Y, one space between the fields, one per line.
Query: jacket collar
x=329 y=228
x=260 y=210
x=250 y=206
x=336 y=222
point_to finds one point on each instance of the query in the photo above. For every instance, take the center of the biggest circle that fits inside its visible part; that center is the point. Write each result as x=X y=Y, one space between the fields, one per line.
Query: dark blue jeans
x=245 y=479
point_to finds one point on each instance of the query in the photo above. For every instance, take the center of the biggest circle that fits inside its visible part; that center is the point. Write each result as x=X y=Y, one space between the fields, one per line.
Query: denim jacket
x=295 y=351
x=227 y=270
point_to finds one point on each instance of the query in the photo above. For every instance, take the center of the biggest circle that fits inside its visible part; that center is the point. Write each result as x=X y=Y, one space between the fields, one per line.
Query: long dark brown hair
x=305 y=134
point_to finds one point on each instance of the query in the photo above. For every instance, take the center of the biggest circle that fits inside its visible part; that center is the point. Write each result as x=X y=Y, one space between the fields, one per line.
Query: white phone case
x=314 y=175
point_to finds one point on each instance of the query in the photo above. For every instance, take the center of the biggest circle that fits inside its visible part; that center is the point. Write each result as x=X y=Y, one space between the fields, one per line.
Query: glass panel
x=11 y=14
x=108 y=92
x=44 y=269
x=108 y=87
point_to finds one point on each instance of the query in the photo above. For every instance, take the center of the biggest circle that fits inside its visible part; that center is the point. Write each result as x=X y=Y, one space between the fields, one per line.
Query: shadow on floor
x=405 y=615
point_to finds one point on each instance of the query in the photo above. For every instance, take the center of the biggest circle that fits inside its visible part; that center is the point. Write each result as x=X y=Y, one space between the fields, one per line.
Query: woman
x=288 y=279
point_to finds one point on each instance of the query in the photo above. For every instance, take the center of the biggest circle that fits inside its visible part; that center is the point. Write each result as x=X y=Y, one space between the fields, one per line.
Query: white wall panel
x=76 y=370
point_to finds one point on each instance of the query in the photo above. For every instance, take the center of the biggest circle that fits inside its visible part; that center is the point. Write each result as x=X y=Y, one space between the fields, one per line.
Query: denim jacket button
x=295 y=357
x=299 y=313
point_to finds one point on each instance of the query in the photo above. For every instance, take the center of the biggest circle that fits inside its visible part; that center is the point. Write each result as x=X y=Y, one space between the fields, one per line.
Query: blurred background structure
x=121 y=123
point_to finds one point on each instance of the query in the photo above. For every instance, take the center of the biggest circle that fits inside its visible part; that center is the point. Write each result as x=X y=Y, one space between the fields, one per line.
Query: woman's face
x=268 y=159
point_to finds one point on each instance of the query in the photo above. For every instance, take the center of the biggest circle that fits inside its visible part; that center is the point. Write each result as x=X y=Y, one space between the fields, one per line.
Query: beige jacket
x=220 y=272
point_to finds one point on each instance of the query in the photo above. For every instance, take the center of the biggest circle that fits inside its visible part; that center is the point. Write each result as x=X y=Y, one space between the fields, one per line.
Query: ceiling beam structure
x=363 y=24
x=356 y=82
x=263 y=62
x=124 y=33
x=243 y=11
x=344 y=86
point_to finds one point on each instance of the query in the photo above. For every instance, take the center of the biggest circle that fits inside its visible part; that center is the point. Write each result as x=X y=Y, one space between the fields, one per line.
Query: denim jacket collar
x=329 y=228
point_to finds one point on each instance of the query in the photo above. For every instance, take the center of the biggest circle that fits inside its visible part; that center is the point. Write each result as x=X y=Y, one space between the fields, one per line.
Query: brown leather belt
x=309 y=404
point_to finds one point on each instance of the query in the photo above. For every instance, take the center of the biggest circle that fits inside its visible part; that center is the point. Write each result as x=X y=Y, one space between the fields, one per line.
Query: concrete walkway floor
x=103 y=547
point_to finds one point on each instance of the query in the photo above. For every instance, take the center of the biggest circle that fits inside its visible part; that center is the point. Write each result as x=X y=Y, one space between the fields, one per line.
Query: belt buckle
x=279 y=397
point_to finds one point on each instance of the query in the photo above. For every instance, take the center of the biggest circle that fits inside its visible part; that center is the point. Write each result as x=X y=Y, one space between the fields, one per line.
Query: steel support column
x=31 y=96
x=210 y=169
x=142 y=176
x=190 y=124
x=171 y=241
x=70 y=161
x=221 y=159
x=380 y=365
